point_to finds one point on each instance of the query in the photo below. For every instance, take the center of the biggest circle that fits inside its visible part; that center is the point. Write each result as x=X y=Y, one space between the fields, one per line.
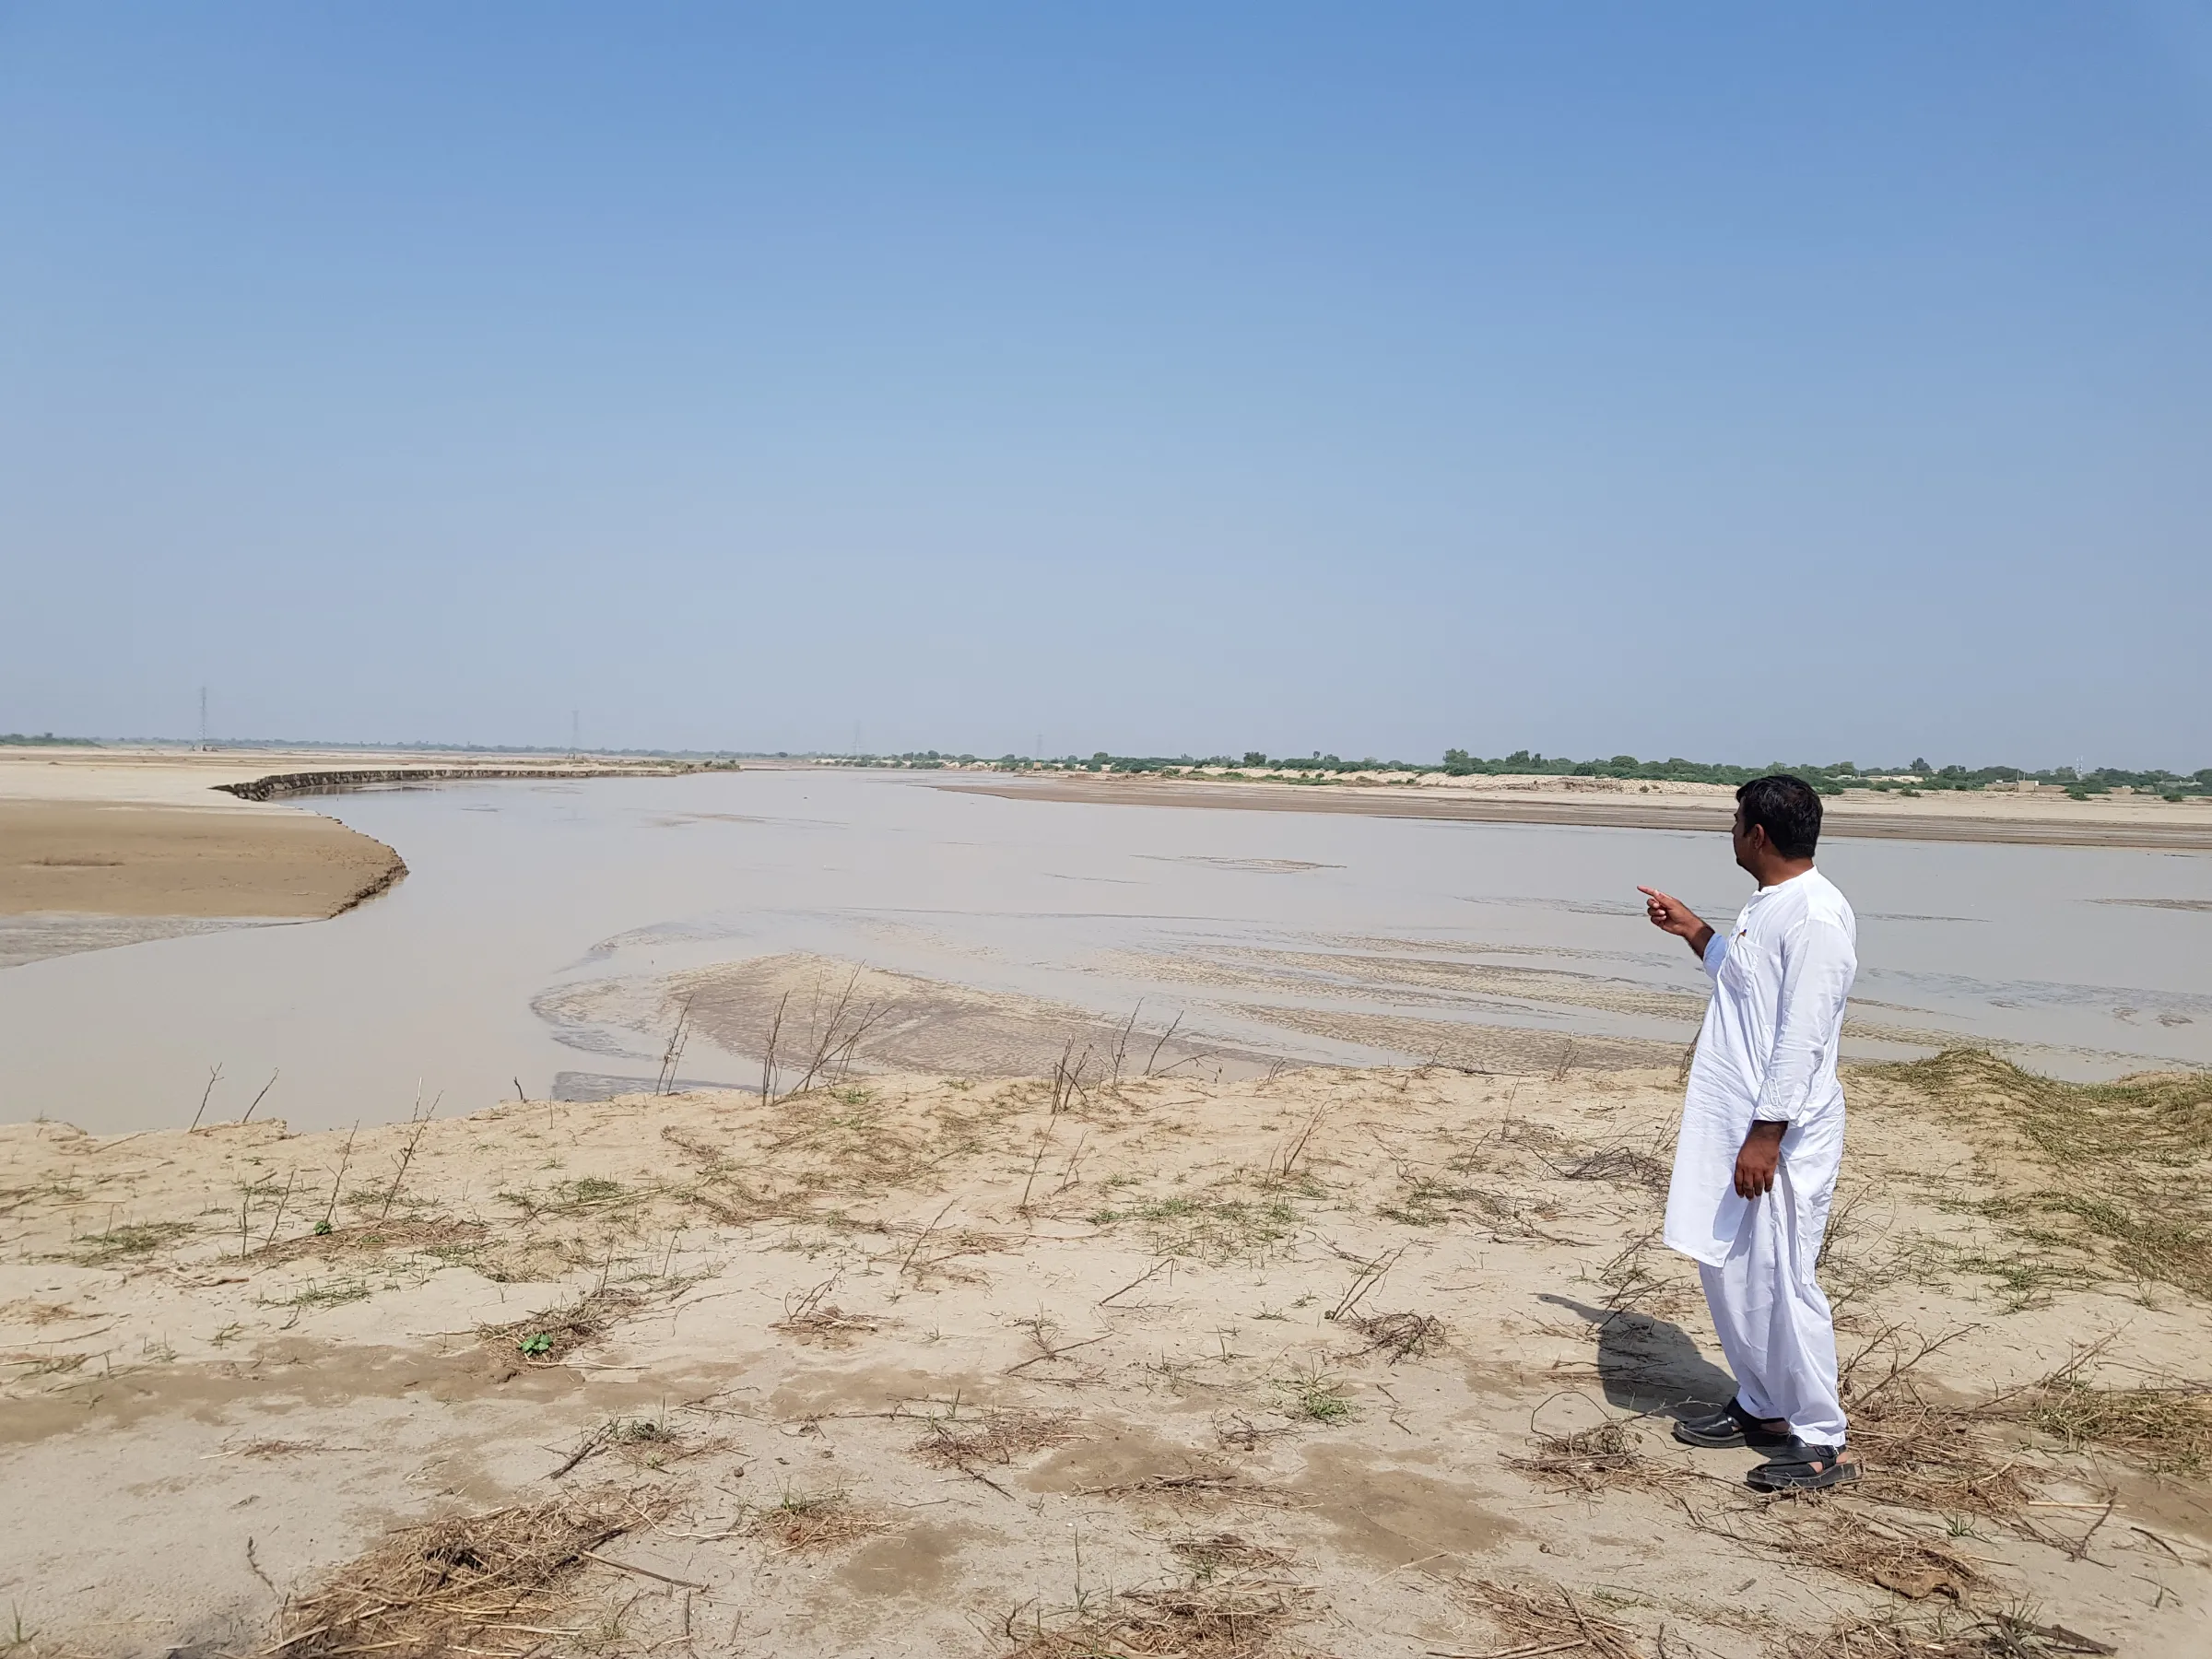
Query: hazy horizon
x=2085 y=764
x=1724 y=383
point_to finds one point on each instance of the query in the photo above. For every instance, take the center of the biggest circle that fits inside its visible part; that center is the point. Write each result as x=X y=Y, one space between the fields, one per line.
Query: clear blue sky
x=1729 y=382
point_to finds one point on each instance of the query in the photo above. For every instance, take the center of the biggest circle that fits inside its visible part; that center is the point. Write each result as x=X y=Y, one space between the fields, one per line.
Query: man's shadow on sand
x=1649 y=1365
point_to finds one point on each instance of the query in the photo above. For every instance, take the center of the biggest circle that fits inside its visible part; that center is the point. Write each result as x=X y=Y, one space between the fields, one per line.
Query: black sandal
x=1729 y=1426
x=1804 y=1466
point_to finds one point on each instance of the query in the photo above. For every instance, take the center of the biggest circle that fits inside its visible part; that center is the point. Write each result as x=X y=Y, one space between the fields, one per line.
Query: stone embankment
x=282 y=785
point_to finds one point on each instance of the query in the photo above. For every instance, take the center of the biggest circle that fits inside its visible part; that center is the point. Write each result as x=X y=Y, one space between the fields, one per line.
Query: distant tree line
x=1830 y=778
x=1833 y=777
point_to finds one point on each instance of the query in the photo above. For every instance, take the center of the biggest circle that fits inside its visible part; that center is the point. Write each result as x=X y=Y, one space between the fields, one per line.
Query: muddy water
x=542 y=936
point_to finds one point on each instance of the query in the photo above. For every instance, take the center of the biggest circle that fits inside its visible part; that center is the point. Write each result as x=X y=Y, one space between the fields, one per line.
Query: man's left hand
x=1755 y=1163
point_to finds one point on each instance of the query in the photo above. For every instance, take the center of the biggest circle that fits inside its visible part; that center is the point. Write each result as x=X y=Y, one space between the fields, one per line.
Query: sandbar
x=117 y=845
x=2145 y=822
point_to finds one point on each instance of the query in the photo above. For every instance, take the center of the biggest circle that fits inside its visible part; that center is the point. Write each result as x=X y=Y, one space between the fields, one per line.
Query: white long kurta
x=1767 y=1051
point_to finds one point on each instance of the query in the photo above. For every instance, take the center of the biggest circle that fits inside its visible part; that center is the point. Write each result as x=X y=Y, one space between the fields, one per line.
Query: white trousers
x=1773 y=1320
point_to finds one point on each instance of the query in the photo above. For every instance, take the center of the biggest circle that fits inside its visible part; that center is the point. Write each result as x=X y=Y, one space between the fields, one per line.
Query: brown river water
x=550 y=935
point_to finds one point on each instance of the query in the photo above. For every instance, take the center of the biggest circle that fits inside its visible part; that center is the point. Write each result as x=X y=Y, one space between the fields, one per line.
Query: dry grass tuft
x=1200 y=1621
x=1227 y=1552
x=548 y=1337
x=1592 y=1460
x=489 y=1584
x=128 y=1243
x=2127 y=1159
x=1201 y=1486
x=1939 y=1458
x=1956 y=1460
x=1428 y=1201
x=30 y=1311
x=816 y=1520
x=1401 y=1335
x=1548 y=1620
x=2168 y=1429
x=372 y=1238
x=1822 y=1532
x=1997 y=1636
x=827 y=1323
x=993 y=1438
x=1621 y=1165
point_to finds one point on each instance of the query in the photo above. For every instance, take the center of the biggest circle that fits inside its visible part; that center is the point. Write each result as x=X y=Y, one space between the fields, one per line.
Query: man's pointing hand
x=1669 y=914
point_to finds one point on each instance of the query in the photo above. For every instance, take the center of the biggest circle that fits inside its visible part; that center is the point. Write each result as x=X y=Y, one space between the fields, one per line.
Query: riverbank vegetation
x=1830 y=778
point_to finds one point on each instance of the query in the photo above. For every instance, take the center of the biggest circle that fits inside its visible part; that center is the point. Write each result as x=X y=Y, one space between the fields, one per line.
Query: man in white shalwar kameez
x=1763 y=1139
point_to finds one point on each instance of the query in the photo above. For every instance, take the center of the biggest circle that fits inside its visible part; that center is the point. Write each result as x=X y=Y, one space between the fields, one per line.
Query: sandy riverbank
x=1350 y=1363
x=112 y=846
x=2137 y=821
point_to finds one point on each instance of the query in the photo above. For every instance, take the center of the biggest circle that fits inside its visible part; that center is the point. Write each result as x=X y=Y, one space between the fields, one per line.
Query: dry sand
x=1354 y=1363
x=2142 y=821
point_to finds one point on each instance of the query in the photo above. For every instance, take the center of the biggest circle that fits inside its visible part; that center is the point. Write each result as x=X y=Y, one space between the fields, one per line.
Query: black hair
x=1787 y=808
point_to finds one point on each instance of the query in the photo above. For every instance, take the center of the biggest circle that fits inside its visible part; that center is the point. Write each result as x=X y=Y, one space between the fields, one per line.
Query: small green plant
x=323 y=1229
x=1320 y=1400
x=537 y=1343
